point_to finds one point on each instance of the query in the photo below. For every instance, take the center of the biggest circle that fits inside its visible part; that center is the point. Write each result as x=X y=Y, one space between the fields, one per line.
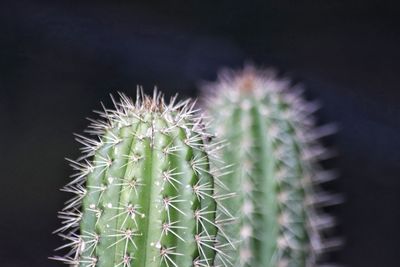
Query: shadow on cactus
x=273 y=146
x=145 y=193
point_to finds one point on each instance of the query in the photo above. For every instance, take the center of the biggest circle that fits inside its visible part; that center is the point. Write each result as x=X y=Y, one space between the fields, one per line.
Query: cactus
x=145 y=194
x=273 y=146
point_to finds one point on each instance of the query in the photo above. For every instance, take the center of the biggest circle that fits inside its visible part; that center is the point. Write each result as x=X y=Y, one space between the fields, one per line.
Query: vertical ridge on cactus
x=145 y=192
x=273 y=146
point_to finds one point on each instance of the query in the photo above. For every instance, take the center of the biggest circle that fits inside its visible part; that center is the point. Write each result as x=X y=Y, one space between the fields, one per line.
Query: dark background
x=59 y=59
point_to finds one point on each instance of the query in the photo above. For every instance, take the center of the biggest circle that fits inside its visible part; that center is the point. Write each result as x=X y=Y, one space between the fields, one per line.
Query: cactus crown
x=274 y=148
x=145 y=193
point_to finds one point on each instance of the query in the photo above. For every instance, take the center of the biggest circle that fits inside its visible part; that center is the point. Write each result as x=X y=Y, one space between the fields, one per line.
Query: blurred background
x=59 y=59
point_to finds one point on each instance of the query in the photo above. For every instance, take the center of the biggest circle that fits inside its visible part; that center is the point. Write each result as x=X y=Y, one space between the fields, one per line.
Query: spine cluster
x=274 y=151
x=145 y=192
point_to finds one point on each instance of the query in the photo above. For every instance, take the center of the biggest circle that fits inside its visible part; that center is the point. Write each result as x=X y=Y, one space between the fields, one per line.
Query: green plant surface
x=146 y=194
x=274 y=150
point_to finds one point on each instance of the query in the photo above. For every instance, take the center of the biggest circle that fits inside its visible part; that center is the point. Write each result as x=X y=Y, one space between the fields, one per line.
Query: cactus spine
x=145 y=194
x=272 y=144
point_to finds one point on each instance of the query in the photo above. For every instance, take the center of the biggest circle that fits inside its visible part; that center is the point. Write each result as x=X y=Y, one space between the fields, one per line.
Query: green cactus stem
x=273 y=147
x=145 y=194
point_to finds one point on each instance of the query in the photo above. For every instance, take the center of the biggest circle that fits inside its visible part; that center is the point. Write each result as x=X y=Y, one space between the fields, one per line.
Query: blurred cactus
x=145 y=194
x=273 y=147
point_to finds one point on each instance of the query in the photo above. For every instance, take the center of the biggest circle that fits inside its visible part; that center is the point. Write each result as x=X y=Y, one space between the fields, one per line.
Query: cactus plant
x=145 y=194
x=273 y=146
